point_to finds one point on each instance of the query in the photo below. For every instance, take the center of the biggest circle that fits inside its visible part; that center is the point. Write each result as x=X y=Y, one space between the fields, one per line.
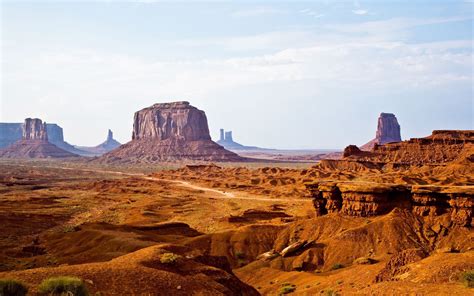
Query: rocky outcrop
x=34 y=129
x=441 y=147
x=169 y=132
x=12 y=132
x=9 y=133
x=388 y=130
x=34 y=143
x=370 y=199
x=178 y=120
x=109 y=145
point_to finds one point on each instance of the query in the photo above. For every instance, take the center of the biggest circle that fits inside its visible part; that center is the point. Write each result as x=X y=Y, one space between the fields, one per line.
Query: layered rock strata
x=388 y=130
x=441 y=147
x=34 y=143
x=370 y=199
x=169 y=132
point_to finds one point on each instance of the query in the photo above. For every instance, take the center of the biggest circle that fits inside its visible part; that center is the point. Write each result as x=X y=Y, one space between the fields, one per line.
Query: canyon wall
x=441 y=147
x=370 y=199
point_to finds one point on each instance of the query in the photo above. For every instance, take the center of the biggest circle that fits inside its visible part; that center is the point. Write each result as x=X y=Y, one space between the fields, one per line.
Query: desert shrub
x=239 y=255
x=364 y=260
x=63 y=285
x=467 y=278
x=169 y=258
x=287 y=288
x=9 y=287
x=331 y=293
x=337 y=266
x=339 y=282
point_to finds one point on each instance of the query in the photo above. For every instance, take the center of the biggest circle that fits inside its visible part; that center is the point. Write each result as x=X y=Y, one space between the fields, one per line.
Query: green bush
x=9 y=287
x=287 y=288
x=337 y=266
x=63 y=285
x=169 y=258
x=467 y=278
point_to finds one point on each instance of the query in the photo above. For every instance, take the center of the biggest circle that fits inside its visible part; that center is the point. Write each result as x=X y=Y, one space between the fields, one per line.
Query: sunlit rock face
x=169 y=132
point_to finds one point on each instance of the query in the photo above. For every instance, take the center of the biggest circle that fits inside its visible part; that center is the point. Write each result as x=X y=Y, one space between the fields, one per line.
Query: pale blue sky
x=279 y=74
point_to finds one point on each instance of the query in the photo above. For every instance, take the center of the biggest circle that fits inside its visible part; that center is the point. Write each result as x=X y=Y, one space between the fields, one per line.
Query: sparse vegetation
x=239 y=255
x=63 y=285
x=169 y=258
x=11 y=287
x=287 y=288
x=339 y=282
x=331 y=293
x=337 y=266
x=70 y=228
x=364 y=260
x=467 y=278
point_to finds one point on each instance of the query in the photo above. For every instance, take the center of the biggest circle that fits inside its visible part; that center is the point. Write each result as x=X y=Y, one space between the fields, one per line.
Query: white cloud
x=257 y=11
x=360 y=11
x=311 y=13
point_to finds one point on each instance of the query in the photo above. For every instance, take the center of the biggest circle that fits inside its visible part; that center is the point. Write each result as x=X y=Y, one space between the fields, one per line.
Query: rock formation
x=227 y=142
x=169 y=132
x=388 y=130
x=109 y=145
x=12 y=132
x=34 y=129
x=34 y=143
x=370 y=199
x=9 y=133
x=441 y=147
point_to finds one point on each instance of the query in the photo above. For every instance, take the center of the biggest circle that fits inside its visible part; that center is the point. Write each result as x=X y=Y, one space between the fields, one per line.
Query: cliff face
x=12 y=132
x=169 y=132
x=388 y=130
x=178 y=120
x=441 y=147
x=34 y=129
x=370 y=199
x=9 y=133
x=34 y=143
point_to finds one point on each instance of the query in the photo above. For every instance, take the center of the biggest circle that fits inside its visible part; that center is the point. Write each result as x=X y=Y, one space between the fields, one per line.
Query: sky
x=290 y=75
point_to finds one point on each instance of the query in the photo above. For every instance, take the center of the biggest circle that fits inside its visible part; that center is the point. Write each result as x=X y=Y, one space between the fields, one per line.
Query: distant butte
x=34 y=143
x=169 y=132
x=388 y=130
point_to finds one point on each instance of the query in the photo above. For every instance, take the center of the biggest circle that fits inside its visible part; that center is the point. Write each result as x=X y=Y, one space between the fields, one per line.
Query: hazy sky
x=279 y=74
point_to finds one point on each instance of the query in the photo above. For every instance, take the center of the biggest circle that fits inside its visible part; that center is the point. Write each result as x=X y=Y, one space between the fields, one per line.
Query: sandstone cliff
x=34 y=129
x=371 y=199
x=169 y=132
x=441 y=147
x=388 y=130
x=34 y=143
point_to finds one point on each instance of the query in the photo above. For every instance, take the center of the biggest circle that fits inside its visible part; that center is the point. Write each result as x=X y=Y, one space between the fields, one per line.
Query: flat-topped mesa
x=371 y=199
x=34 y=129
x=169 y=132
x=388 y=130
x=34 y=143
x=178 y=120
